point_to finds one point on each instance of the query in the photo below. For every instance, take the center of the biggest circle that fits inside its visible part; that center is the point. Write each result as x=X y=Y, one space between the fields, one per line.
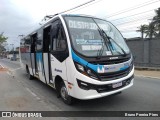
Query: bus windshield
x=93 y=37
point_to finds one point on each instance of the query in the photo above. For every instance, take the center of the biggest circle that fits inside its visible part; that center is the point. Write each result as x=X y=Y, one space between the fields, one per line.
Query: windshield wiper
x=100 y=52
x=109 y=39
x=118 y=45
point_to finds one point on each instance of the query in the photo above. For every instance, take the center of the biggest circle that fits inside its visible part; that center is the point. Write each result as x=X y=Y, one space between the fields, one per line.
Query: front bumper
x=103 y=88
x=87 y=88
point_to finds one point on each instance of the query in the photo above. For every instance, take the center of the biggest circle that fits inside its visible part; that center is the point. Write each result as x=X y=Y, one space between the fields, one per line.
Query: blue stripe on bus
x=85 y=63
x=91 y=66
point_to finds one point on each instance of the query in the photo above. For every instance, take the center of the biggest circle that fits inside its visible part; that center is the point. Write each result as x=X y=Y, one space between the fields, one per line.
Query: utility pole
x=13 y=56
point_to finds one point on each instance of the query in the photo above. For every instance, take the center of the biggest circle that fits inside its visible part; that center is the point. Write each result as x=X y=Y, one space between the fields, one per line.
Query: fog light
x=83 y=85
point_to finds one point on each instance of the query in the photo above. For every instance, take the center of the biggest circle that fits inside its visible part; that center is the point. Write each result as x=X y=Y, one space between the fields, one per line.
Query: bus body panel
x=58 y=68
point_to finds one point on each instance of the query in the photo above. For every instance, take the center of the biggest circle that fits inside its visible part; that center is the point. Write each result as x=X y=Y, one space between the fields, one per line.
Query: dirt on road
x=2 y=69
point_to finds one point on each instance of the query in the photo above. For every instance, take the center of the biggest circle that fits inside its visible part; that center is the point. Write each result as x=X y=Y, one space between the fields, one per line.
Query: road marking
x=32 y=93
x=9 y=72
x=16 y=69
x=147 y=76
x=1 y=66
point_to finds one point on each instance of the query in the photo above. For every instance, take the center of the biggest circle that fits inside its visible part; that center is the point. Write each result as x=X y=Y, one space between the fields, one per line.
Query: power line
x=133 y=23
x=128 y=31
x=133 y=8
x=91 y=2
x=71 y=9
x=130 y=25
x=132 y=20
x=129 y=28
x=132 y=15
x=86 y=6
x=77 y=6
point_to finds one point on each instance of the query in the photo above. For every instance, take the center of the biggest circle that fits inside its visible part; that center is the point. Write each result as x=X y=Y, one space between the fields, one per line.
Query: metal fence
x=145 y=51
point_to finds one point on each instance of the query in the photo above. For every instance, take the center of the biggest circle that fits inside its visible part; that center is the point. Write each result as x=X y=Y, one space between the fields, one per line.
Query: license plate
x=117 y=85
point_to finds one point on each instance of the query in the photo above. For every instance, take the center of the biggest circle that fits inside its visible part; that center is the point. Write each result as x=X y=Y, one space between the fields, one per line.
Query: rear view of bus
x=103 y=63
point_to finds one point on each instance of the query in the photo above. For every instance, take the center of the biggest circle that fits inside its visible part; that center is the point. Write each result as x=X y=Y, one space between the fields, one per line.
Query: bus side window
x=58 y=37
x=33 y=39
x=59 y=47
x=27 y=44
x=39 y=40
x=46 y=39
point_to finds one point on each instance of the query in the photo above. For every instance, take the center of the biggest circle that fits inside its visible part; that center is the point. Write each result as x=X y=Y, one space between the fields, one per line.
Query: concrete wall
x=146 y=51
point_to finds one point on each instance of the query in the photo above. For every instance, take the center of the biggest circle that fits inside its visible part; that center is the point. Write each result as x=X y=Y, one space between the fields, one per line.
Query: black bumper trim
x=102 y=88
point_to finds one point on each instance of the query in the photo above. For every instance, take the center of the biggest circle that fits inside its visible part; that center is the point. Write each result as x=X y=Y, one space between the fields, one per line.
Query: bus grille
x=114 y=75
x=108 y=62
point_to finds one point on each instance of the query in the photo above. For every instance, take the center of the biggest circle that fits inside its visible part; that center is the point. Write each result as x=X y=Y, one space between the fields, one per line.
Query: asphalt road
x=143 y=96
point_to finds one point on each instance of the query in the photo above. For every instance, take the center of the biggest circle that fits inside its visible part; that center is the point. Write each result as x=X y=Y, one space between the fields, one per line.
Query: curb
x=147 y=68
x=147 y=76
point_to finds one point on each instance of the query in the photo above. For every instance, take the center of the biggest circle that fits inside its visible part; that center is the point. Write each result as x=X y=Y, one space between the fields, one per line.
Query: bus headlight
x=80 y=67
x=91 y=73
x=86 y=71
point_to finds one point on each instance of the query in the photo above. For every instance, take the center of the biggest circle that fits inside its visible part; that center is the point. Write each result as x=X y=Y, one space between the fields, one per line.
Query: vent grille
x=108 y=62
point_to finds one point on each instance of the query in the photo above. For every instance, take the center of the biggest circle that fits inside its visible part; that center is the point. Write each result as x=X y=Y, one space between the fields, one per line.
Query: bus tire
x=28 y=73
x=67 y=99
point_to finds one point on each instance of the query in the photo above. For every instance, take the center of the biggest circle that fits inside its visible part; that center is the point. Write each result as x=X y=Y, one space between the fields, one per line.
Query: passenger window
x=59 y=47
x=58 y=37
x=34 y=39
x=46 y=39
x=39 y=40
x=27 y=44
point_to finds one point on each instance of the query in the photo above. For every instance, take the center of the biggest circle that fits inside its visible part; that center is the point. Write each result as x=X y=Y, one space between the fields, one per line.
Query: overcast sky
x=22 y=16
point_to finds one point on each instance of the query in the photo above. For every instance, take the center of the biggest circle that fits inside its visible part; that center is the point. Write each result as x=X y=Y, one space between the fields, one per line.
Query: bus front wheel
x=64 y=94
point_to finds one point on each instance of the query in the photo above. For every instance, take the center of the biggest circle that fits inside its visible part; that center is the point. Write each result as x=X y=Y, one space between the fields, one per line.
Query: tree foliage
x=2 y=40
x=153 y=28
x=142 y=30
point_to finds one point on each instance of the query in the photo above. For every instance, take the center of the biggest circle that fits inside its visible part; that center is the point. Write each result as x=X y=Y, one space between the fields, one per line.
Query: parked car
x=13 y=59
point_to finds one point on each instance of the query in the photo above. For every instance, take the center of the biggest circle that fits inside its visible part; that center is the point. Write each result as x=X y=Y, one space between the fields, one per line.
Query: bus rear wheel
x=64 y=94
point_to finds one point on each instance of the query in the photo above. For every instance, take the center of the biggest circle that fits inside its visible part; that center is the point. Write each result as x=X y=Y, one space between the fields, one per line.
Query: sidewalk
x=148 y=73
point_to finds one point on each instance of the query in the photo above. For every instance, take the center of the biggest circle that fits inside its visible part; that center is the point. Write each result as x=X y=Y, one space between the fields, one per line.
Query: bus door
x=46 y=54
x=33 y=53
x=39 y=61
x=59 y=50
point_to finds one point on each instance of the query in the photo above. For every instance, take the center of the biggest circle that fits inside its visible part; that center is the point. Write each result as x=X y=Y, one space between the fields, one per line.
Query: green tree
x=2 y=40
x=153 y=29
x=156 y=21
x=150 y=30
x=142 y=30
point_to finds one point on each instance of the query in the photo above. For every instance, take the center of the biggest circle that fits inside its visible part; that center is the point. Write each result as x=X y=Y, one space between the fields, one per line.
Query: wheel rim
x=64 y=92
